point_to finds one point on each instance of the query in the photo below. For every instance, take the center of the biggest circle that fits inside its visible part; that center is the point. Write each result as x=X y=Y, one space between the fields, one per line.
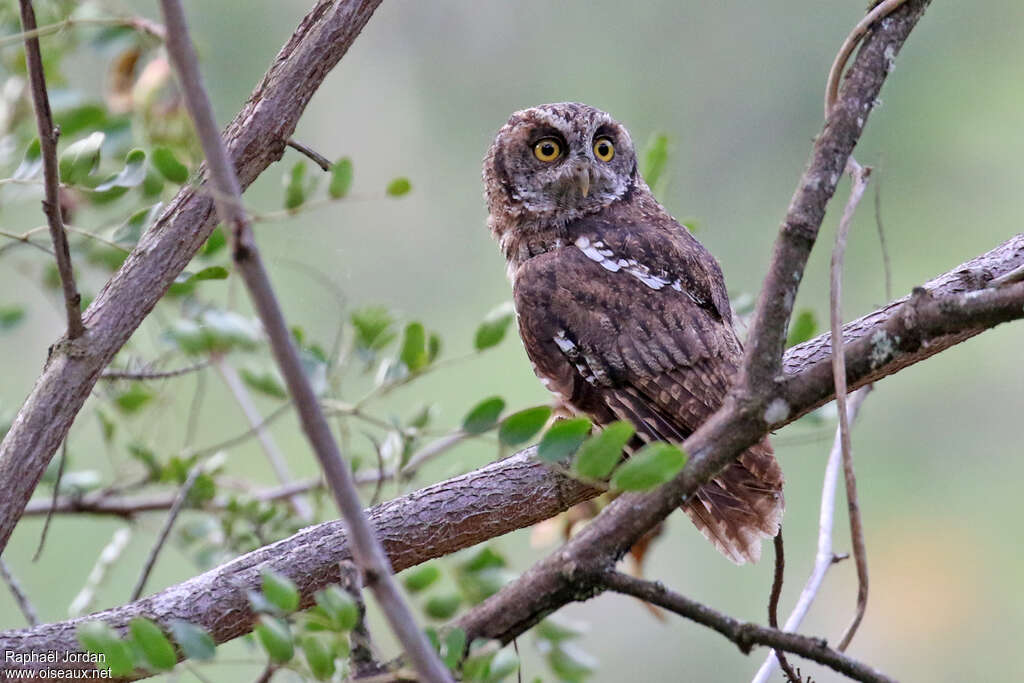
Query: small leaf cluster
x=145 y=646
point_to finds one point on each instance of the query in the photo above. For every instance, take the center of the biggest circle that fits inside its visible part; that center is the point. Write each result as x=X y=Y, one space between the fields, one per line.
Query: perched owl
x=623 y=313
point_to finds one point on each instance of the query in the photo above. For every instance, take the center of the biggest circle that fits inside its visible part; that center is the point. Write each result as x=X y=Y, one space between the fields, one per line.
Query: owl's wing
x=632 y=325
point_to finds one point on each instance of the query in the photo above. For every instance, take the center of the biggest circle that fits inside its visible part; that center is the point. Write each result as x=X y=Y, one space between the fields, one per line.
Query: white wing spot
x=605 y=257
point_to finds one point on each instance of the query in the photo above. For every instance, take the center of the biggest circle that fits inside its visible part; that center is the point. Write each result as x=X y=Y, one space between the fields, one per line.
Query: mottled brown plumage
x=622 y=312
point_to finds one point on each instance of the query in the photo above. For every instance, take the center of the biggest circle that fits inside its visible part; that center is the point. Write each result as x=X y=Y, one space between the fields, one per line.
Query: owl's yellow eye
x=547 y=150
x=604 y=149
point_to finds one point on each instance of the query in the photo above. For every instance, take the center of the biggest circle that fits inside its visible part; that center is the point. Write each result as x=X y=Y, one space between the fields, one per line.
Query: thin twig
x=165 y=530
x=773 y=603
x=53 y=500
x=886 y=263
x=367 y=550
x=141 y=375
x=744 y=634
x=48 y=134
x=274 y=455
x=320 y=160
x=140 y=24
x=825 y=556
x=859 y=176
x=20 y=597
x=252 y=431
x=879 y=11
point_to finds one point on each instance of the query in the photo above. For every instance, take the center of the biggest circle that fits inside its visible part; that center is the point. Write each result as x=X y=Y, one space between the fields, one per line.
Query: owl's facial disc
x=563 y=161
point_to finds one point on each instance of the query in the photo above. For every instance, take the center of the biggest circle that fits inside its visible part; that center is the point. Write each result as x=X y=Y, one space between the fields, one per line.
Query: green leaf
x=97 y=637
x=803 y=328
x=339 y=607
x=602 y=452
x=264 y=381
x=483 y=415
x=195 y=642
x=442 y=607
x=454 y=646
x=341 y=178
x=373 y=327
x=492 y=330
x=276 y=638
x=414 y=347
x=399 y=187
x=562 y=439
x=203 y=490
x=153 y=183
x=654 y=464
x=209 y=273
x=421 y=578
x=132 y=400
x=655 y=159
x=295 y=186
x=520 y=427
x=11 y=316
x=129 y=232
x=214 y=243
x=280 y=591
x=485 y=558
x=168 y=165
x=319 y=658
x=31 y=164
x=157 y=650
x=81 y=158
x=132 y=175
x=73 y=120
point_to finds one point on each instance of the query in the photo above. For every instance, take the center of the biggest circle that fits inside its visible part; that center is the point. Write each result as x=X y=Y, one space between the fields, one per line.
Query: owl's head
x=558 y=162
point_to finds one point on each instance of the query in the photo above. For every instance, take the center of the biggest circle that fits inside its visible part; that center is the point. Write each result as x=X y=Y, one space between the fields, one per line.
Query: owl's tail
x=742 y=505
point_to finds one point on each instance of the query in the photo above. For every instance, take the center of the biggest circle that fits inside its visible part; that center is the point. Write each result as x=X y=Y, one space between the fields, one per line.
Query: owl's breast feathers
x=631 y=321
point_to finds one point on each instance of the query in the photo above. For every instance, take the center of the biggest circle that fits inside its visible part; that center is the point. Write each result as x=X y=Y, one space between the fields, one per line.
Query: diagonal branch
x=255 y=139
x=367 y=550
x=48 y=134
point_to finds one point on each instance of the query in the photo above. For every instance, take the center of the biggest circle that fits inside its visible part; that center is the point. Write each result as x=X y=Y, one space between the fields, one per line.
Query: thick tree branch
x=255 y=139
x=366 y=549
x=48 y=134
x=744 y=634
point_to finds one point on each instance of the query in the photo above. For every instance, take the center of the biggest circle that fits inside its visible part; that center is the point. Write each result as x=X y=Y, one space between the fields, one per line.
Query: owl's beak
x=583 y=181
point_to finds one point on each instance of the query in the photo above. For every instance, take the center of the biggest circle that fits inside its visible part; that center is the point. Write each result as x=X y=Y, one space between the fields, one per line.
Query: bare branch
x=369 y=554
x=744 y=634
x=48 y=134
x=112 y=374
x=859 y=176
x=825 y=556
x=319 y=159
x=20 y=597
x=165 y=531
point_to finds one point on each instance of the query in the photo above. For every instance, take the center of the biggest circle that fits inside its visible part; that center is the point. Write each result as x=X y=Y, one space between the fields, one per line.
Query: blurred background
x=737 y=87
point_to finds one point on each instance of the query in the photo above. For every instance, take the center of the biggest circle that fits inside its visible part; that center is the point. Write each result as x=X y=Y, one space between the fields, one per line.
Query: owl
x=623 y=313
